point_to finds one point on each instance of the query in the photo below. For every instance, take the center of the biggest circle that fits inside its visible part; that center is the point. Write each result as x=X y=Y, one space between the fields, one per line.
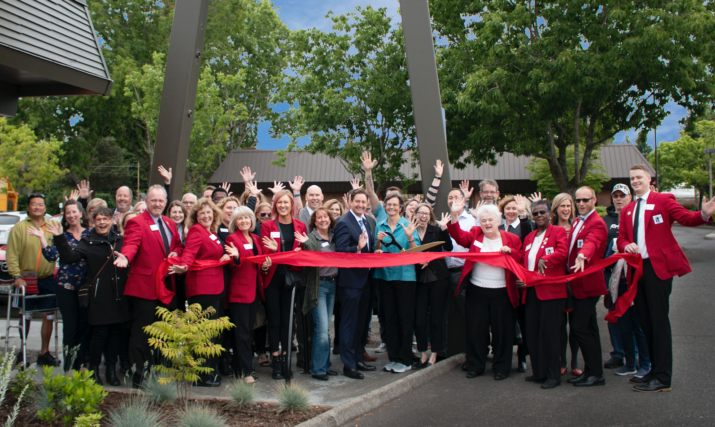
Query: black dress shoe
x=110 y=375
x=550 y=384
x=353 y=373
x=363 y=367
x=613 y=363
x=331 y=373
x=465 y=367
x=474 y=374
x=522 y=367
x=653 y=386
x=591 y=381
x=209 y=381
x=499 y=376
x=277 y=368
x=640 y=381
x=577 y=379
x=533 y=379
x=321 y=377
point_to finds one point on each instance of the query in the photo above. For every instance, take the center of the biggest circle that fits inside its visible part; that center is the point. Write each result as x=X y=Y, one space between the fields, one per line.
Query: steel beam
x=426 y=99
x=183 y=67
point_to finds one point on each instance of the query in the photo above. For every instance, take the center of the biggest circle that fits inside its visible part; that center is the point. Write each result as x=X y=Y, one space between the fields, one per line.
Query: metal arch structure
x=183 y=67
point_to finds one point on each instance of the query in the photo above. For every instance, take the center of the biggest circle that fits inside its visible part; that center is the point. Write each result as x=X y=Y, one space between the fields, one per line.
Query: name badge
x=223 y=230
x=549 y=251
x=248 y=246
x=478 y=244
x=154 y=227
x=614 y=226
x=658 y=219
x=579 y=243
x=649 y=207
x=325 y=244
x=213 y=237
x=528 y=247
x=276 y=234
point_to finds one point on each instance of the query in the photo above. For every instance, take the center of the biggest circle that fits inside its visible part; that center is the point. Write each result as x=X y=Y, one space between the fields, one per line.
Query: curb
x=360 y=406
x=710 y=236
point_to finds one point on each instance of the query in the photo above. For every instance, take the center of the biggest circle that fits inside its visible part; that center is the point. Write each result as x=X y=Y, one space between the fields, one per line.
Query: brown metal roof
x=320 y=168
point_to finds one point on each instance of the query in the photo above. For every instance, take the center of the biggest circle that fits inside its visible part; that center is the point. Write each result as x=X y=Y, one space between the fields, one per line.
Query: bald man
x=313 y=200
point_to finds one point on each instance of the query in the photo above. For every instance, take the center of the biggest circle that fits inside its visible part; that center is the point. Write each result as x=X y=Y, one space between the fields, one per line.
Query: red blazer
x=202 y=245
x=144 y=249
x=467 y=239
x=269 y=227
x=244 y=275
x=555 y=242
x=593 y=238
x=667 y=258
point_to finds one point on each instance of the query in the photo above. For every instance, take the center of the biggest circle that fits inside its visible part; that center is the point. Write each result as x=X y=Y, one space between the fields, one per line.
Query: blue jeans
x=321 y=338
x=634 y=342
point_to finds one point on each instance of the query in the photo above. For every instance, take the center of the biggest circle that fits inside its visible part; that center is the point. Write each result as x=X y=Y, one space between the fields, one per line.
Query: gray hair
x=239 y=212
x=489 y=210
x=190 y=194
x=131 y=193
x=157 y=187
x=491 y=182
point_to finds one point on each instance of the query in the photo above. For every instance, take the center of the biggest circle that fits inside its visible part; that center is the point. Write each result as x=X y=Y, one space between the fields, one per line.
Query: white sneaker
x=388 y=367
x=381 y=349
x=399 y=368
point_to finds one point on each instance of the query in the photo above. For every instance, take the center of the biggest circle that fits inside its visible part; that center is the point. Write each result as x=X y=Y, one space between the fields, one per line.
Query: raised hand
x=464 y=186
x=535 y=197
x=438 y=168
x=226 y=187
x=412 y=226
x=458 y=207
x=74 y=195
x=277 y=187
x=347 y=200
x=367 y=162
x=580 y=263
x=444 y=221
x=84 y=191
x=247 y=175
x=252 y=187
x=32 y=231
x=231 y=251
x=121 y=261
x=355 y=183
x=362 y=242
x=296 y=184
x=54 y=227
x=476 y=208
x=520 y=204
x=708 y=207
x=302 y=238
x=270 y=243
x=166 y=174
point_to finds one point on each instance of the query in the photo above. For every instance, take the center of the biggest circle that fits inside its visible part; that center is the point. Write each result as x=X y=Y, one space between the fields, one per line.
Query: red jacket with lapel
x=144 y=249
x=554 y=240
x=269 y=227
x=467 y=239
x=202 y=245
x=244 y=275
x=594 y=237
x=667 y=258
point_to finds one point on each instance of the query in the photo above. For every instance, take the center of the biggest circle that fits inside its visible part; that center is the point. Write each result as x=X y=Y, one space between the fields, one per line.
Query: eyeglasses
x=264 y=214
x=618 y=196
x=488 y=192
x=422 y=213
x=583 y=200
x=537 y=213
x=33 y=196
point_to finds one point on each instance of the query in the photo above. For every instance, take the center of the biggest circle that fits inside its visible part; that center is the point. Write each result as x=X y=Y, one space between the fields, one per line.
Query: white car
x=8 y=220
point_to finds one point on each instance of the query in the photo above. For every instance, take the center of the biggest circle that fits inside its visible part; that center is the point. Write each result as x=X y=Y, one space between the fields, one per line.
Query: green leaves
x=70 y=397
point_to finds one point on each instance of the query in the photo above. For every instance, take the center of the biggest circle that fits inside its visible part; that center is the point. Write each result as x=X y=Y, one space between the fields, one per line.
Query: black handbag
x=292 y=278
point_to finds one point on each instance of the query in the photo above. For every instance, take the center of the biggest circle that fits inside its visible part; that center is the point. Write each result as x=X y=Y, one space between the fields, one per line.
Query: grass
x=134 y=413
x=197 y=415
x=156 y=392
x=292 y=398
x=241 y=393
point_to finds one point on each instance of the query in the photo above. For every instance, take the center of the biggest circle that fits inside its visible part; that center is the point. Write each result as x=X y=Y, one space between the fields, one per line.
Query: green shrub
x=134 y=413
x=156 y=391
x=184 y=338
x=91 y=420
x=24 y=379
x=69 y=397
x=241 y=393
x=292 y=398
x=197 y=415
x=601 y=210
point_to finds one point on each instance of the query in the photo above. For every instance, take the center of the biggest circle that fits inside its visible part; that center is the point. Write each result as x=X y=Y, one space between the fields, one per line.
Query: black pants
x=652 y=304
x=74 y=328
x=584 y=325
x=106 y=339
x=489 y=309
x=567 y=338
x=431 y=297
x=207 y=301
x=523 y=349
x=143 y=314
x=354 y=305
x=454 y=327
x=371 y=291
x=243 y=316
x=399 y=299
x=278 y=312
x=304 y=322
x=543 y=321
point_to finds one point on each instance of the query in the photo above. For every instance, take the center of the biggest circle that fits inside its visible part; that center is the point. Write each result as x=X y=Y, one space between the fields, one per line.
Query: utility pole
x=709 y=152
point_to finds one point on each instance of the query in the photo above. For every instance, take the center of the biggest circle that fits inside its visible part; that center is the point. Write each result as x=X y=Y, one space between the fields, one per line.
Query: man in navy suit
x=353 y=234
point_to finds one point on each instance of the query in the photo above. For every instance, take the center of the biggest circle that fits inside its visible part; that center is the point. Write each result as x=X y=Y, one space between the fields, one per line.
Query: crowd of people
x=108 y=261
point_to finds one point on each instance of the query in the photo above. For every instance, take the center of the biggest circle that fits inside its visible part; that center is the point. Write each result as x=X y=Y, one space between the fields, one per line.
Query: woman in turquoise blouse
x=397 y=284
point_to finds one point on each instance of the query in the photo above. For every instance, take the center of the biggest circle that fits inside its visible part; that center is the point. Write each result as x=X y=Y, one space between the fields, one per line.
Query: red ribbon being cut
x=346 y=260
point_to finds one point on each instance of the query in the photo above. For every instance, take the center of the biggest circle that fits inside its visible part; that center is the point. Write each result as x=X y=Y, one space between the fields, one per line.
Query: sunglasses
x=537 y=213
x=217 y=199
x=583 y=200
x=264 y=214
x=33 y=196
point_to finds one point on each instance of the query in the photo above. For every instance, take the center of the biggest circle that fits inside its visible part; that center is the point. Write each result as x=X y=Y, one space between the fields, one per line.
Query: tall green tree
x=642 y=142
x=683 y=162
x=350 y=93
x=540 y=172
x=535 y=78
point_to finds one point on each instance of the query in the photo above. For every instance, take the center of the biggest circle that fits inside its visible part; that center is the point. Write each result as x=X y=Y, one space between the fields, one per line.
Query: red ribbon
x=349 y=260
x=164 y=294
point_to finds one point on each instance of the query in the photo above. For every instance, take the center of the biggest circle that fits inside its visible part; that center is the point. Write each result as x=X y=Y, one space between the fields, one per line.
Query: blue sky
x=300 y=14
